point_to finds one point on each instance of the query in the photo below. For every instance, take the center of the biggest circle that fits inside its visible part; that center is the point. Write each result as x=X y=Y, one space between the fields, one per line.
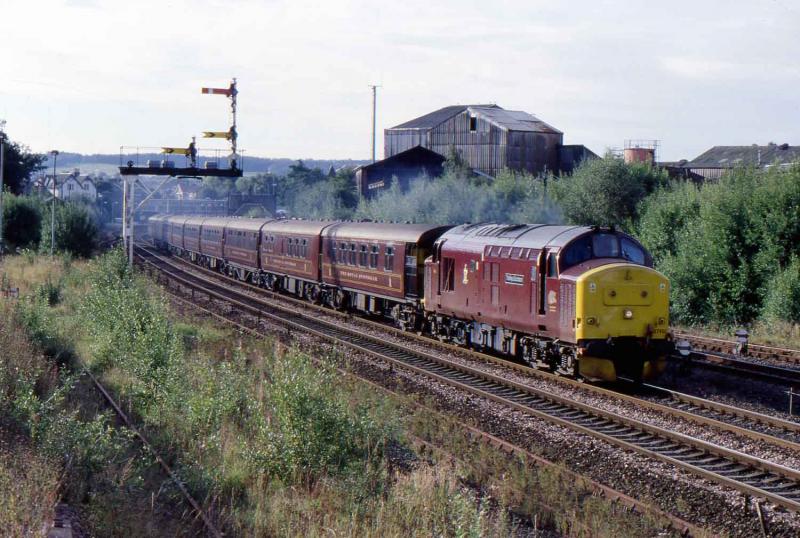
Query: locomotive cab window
x=448 y=274
x=631 y=251
x=552 y=265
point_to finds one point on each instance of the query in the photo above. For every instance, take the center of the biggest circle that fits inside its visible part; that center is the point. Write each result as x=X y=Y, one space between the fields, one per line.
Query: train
x=580 y=301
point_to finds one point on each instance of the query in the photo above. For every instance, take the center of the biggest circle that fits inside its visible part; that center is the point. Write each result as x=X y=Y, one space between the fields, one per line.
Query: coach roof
x=253 y=225
x=382 y=231
x=296 y=226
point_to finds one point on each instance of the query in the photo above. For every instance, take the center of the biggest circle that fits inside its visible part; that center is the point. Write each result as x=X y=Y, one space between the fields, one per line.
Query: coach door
x=411 y=271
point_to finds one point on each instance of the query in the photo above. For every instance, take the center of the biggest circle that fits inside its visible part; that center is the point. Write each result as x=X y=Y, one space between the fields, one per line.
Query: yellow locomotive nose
x=621 y=300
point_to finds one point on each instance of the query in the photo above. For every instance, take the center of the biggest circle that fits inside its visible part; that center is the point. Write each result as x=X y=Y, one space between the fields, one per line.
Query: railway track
x=772 y=364
x=753 y=476
x=681 y=526
x=708 y=413
x=729 y=347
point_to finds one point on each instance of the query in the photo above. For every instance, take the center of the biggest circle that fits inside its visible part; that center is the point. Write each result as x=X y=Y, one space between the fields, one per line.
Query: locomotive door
x=547 y=274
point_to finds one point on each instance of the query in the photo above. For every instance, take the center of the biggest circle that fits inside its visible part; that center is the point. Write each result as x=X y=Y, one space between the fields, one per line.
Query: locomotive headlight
x=591 y=321
x=661 y=321
x=627 y=314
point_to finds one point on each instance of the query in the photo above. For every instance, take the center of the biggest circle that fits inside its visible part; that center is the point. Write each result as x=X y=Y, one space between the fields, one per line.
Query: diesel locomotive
x=580 y=301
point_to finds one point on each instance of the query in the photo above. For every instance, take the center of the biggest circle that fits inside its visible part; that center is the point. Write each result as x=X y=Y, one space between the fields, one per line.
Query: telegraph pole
x=2 y=184
x=54 y=153
x=374 y=109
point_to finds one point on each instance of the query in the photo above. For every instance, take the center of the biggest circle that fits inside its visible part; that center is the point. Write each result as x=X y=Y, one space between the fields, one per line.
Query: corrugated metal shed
x=488 y=137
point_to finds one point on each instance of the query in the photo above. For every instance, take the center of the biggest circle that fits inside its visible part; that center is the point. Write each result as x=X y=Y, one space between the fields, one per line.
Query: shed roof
x=511 y=120
x=730 y=156
x=418 y=154
x=514 y=120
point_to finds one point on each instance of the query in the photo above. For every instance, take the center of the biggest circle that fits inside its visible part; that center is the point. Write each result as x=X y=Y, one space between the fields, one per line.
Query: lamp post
x=54 y=153
x=2 y=184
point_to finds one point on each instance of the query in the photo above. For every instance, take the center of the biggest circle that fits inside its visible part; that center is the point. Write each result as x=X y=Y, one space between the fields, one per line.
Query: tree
x=22 y=220
x=76 y=229
x=606 y=191
x=255 y=185
x=18 y=164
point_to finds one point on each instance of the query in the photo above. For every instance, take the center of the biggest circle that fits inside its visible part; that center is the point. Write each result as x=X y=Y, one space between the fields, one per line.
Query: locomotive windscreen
x=601 y=245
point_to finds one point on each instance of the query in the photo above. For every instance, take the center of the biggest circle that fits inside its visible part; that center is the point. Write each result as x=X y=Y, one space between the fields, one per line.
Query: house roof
x=730 y=156
x=512 y=120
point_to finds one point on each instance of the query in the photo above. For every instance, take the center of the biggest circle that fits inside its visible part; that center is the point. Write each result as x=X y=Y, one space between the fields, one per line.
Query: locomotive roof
x=383 y=231
x=520 y=235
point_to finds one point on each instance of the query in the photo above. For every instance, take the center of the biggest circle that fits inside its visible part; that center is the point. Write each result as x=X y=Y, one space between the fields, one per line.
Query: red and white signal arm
x=217 y=91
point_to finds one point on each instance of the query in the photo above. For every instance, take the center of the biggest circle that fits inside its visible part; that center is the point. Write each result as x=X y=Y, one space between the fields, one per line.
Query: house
x=719 y=159
x=488 y=137
x=403 y=166
x=186 y=190
x=71 y=186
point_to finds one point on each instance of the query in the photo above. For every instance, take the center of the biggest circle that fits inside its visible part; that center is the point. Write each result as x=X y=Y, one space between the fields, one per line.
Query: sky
x=90 y=76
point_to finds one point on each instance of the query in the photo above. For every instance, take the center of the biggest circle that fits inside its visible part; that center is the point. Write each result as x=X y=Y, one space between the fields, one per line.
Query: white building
x=72 y=186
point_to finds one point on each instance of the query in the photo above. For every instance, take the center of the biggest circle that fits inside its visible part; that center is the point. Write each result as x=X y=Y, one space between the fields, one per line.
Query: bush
x=606 y=191
x=76 y=230
x=782 y=302
x=664 y=216
x=312 y=429
x=22 y=221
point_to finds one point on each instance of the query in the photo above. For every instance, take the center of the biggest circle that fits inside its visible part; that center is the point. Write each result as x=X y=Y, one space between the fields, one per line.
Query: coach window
x=305 y=248
x=362 y=255
x=352 y=260
x=388 y=262
x=342 y=253
x=373 y=257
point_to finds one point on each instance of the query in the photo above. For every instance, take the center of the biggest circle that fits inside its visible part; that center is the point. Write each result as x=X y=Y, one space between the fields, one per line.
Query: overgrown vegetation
x=729 y=248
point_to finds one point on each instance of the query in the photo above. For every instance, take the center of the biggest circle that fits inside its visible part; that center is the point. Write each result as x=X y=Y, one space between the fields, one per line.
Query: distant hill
x=109 y=163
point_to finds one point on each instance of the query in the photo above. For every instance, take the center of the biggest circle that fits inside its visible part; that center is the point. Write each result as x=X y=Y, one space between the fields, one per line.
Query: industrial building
x=719 y=159
x=489 y=139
